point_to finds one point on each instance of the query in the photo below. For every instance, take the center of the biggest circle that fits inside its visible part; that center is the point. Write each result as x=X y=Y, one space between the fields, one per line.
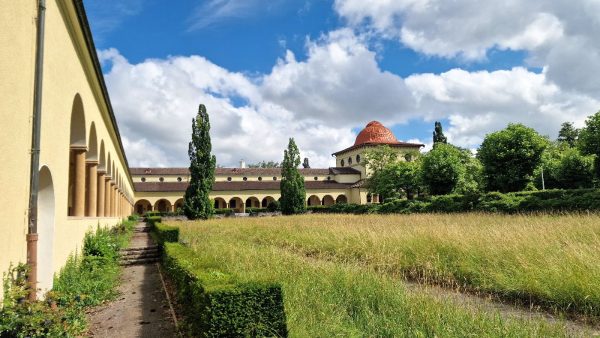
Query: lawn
x=345 y=275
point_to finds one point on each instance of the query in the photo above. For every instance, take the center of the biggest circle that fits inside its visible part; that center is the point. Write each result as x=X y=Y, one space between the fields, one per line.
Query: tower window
x=349 y=160
x=274 y=178
x=316 y=178
x=161 y=179
x=143 y=179
x=178 y=179
x=229 y=179
x=260 y=178
x=357 y=158
x=342 y=163
x=245 y=178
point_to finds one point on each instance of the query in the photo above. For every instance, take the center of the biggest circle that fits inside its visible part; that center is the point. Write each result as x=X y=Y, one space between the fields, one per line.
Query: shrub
x=133 y=217
x=255 y=210
x=224 y=211
x=218 y=304
x=152 y=220
x=166 y=233
x=274 y=206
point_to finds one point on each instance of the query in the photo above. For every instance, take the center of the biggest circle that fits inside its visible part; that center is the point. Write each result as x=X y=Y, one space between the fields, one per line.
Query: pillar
x=106 y=196
x=92 y=190
x=100 y=197
x=113 y=189
x=79 y=186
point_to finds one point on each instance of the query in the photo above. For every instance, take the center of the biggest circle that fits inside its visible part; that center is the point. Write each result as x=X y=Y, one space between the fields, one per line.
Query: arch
x=162 y=205
x=252 y=202
x=92 y=144
x=102 y=157
x=77 y=131
x=220 y=203
x=237 y=204
x=313 y=200
x=179 y=205
x=142 y=206
x=328 y=200
x=46 y=212
x=266 y=201
x=341 y=199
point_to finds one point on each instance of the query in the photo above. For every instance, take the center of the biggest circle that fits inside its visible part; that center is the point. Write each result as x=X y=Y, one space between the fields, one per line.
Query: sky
x=319 y=71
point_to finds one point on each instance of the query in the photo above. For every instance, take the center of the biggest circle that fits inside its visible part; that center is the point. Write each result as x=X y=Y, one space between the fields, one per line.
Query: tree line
x=516 y=158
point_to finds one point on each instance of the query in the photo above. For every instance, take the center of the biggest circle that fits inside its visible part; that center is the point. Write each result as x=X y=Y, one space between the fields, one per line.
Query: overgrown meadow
x=350 y=275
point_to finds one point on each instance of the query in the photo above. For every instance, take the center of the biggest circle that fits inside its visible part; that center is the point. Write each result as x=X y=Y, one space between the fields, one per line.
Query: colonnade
x=95 y=192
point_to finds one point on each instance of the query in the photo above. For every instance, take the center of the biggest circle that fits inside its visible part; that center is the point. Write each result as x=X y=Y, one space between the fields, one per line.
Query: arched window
x=349 y=160
x=161 y=179
x=178 y=179
x=342 y=163
x=260 y=178
x=357 y=158
x=229 y=179
x=143 y=179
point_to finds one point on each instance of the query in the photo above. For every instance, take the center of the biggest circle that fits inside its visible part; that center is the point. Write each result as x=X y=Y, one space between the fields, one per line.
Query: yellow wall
x=68 y=72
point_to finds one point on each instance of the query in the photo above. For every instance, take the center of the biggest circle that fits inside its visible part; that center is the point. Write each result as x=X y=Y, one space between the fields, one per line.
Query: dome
x=376 y=133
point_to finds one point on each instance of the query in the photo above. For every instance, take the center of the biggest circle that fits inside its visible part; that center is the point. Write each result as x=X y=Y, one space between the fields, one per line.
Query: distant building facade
x=162 y=189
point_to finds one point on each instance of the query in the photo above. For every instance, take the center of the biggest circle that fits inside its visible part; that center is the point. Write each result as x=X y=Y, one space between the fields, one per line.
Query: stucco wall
x=68 y=73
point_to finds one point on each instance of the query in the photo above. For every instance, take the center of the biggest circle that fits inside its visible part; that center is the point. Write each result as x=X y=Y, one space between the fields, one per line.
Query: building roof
x=234 y=186
x=245 y=171
x=375 y=134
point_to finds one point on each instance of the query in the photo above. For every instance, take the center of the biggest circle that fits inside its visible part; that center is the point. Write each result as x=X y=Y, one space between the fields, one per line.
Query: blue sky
x=412 y=66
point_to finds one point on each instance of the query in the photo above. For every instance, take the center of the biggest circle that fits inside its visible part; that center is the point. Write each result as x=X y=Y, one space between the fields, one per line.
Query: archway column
x=79 y=186
x=100 y=196
x=92 y=189
x=106 y=196
x=113 y=197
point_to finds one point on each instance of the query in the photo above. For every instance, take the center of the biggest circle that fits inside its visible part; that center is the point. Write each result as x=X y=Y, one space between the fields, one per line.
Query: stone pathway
x=142 y=308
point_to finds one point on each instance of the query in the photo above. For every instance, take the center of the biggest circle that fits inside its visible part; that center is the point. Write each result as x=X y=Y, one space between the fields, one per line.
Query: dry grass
x=348 y=263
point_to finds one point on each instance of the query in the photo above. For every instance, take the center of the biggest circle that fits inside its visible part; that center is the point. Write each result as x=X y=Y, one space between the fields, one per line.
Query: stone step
x=141 y=254
x=140 y=261
x=141 y=229
x=143 y=248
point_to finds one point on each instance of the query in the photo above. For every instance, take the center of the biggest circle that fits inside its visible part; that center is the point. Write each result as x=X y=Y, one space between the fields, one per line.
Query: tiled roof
x=359 y=184
x=343 y=170
x=234 y=186
x=230 y=171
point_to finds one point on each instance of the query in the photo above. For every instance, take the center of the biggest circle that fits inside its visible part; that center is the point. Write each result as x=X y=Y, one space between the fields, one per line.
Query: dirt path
x=142 y=308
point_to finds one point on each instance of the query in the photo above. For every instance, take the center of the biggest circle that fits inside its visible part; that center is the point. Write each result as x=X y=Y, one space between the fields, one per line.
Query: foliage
x=218 y=304
x=395 y=180
x=564 y=168
x=293 y=193
x=341 y=275
x=568 y=134
x=589 y=140
x=153 y=220
x=438 y=135
x=196 y=203
x=273 y=206
x=471 y=180
x=165 y=233
x=84 y=281
x=265 y=164
x=442 y=169
x=510 y=156
x=377 y=158
x=254 y=211
x=224 y=211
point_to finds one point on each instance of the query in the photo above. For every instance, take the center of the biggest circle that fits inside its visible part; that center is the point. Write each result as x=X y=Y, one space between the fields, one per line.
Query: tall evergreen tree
x=568 y=134
x=196 y=202
x=438 y=134
x=293 y=193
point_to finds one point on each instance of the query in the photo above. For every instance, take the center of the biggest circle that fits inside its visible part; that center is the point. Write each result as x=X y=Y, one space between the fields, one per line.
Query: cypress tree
x=438 y=134
x=293 y=194
x=196 y=202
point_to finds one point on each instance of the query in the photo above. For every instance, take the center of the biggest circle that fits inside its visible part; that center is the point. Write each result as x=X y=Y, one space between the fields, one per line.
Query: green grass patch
x=86 y=280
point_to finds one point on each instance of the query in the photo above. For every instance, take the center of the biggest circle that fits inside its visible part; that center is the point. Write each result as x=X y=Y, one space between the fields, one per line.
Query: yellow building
x=53 y=95
x=162 y=189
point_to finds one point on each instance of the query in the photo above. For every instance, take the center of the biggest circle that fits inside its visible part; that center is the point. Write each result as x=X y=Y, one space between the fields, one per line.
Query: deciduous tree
x=589 y=140
x=442 y=168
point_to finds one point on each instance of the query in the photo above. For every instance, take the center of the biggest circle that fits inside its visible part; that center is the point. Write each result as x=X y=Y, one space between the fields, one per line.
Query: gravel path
x=141 y=309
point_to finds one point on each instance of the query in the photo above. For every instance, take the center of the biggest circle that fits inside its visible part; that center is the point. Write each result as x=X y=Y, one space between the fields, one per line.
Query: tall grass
x=340 y=273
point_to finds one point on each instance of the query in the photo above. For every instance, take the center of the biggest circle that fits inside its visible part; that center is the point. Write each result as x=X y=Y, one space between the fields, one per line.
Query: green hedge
x=153 y=220
x=256 y=210
x=224 y=211
x=166 y=233
x=217 y=304
x=576 y=200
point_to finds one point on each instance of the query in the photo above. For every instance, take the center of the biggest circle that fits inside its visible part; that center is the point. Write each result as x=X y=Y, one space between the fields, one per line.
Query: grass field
x=343 y=275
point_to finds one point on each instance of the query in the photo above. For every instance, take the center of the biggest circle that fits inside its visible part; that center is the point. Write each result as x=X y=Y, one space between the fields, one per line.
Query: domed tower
x=373 y=135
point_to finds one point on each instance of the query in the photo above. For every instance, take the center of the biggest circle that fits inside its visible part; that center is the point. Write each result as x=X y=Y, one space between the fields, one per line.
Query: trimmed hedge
x=153 y=220
x=256 y=210
x=576 y=200
x=224 y=211
x=217 y=304
x=165 y=233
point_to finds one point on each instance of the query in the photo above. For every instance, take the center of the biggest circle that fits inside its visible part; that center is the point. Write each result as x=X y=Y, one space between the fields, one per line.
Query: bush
x=256 y=210
x=274 y=206
x=133 y=217
x=84 y=281
x=166 y=233
x=224 y=211
x=217 y=304
x=153 y=220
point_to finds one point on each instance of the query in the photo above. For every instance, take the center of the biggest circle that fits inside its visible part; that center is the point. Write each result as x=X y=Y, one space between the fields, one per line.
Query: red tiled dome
x=376 y=133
